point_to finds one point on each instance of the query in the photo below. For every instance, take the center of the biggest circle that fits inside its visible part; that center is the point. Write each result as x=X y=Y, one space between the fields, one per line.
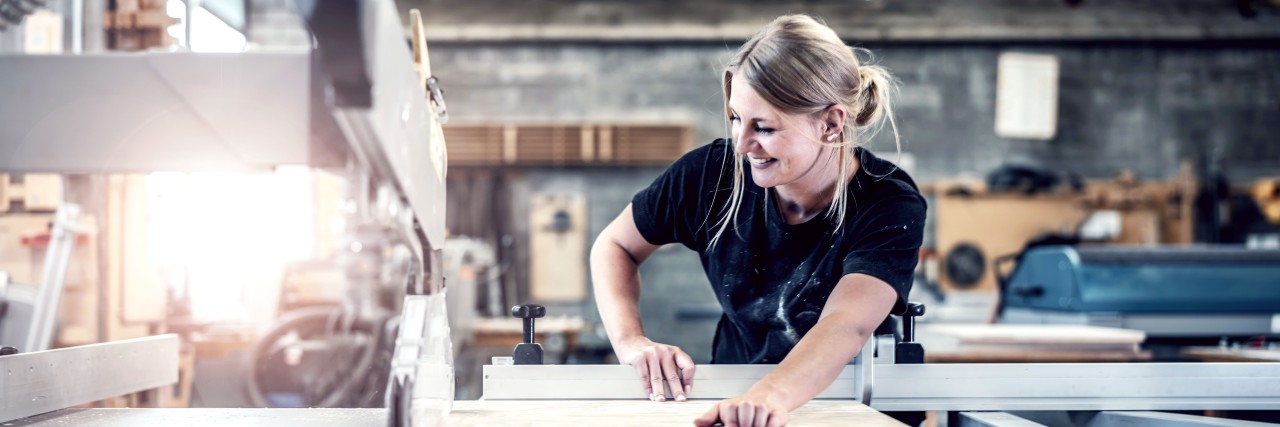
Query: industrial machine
x=1169 y=292
x=360 y=103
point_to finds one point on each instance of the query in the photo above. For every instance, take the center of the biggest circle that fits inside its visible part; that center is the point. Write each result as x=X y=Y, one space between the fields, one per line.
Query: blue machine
x=1171 y=291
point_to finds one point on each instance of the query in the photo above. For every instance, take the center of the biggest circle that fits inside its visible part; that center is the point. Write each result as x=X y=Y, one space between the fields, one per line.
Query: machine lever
x=528 y=352
x=908 y=351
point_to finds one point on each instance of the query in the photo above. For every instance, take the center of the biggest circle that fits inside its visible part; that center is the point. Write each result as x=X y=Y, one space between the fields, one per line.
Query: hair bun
x=867 y=77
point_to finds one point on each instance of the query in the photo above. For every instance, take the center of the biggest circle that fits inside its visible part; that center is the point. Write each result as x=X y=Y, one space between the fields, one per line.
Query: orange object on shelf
x=41 y=240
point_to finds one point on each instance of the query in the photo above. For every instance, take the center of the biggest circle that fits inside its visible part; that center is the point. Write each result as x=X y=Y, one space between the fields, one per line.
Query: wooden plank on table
x=1215 y=354
x=1029 y=343
x=1034 y=334
x=1036 y=356
x=642 y=413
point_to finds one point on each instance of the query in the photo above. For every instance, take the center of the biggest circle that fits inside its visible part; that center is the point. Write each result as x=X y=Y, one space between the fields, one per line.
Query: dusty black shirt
x=773 y=278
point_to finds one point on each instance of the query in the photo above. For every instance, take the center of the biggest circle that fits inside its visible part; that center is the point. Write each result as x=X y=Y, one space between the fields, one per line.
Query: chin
x=763 y=181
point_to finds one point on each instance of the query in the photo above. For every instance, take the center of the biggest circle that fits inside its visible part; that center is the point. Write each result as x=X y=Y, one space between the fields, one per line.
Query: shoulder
x=705 y=165
x=714 y=153
x=880 y=184
x=880 y=175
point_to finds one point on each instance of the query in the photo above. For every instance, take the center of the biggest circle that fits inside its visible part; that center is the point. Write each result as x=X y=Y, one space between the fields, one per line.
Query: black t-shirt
x=773 y=278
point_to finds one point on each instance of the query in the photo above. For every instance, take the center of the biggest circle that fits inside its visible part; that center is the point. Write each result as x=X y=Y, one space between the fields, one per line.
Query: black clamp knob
x=909 y=352
x=528 y=352
x=7 y=350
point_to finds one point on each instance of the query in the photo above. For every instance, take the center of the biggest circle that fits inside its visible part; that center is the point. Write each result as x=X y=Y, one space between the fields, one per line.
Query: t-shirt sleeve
x=887 y=243
x=667 y=211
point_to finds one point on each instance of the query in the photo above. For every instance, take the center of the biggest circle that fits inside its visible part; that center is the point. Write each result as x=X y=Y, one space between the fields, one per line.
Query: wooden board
x=41 y=192
x=121 y=231
x=4 y=192
x=465 y=413
x=1215 y=354
x=1030 y=344
x=641 y=413
x=1035 y=334
x=1036 y=357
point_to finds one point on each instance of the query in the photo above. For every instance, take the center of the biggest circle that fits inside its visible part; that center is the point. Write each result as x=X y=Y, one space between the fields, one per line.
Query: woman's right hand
x=657 y=364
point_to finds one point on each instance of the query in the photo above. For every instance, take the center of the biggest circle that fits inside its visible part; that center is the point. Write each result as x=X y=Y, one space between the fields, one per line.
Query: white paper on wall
x=1027 y=96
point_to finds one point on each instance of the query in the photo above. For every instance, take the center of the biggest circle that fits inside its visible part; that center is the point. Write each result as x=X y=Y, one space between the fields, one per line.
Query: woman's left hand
x=759 y=407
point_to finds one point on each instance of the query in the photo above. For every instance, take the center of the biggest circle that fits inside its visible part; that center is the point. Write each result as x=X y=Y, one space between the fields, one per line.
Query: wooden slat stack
x=560 y=144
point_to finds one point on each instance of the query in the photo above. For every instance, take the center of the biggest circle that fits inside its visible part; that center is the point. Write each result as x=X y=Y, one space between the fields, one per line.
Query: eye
x=734 y=117
x=765 y=130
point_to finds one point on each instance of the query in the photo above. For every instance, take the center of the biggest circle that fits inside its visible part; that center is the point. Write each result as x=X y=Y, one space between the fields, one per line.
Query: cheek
x=792 y=152
x=811 y=152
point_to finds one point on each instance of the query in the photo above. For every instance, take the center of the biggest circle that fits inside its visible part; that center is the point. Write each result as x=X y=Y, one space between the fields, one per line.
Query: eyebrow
x=753 y=119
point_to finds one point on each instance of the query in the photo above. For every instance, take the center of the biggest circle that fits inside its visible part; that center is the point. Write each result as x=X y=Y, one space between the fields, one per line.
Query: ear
x=833 y=118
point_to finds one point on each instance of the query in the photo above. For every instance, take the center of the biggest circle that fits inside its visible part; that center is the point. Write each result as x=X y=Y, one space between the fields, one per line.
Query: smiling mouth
x=761 y=161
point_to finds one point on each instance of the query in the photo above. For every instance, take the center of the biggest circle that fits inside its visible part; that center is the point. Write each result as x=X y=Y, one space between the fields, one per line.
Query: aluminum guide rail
x=947 y=387
x=43 y=381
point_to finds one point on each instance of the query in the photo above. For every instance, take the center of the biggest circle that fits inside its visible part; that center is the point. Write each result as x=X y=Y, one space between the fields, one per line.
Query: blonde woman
x=808 y=239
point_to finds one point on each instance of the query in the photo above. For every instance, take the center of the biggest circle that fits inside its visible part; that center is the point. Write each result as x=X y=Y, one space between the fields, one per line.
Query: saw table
x=465 y=414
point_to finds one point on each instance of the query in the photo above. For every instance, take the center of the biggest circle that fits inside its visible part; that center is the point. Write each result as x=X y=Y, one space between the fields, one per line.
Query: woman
x=807 y=258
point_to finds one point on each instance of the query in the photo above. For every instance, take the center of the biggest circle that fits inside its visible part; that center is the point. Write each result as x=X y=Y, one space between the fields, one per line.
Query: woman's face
x=780 y=147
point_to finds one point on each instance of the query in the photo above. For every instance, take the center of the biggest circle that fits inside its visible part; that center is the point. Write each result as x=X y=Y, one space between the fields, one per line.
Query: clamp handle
x=908 y=351
x=528 y=352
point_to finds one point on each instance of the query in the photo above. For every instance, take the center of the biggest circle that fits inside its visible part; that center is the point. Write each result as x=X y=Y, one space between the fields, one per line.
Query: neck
x=809 y=196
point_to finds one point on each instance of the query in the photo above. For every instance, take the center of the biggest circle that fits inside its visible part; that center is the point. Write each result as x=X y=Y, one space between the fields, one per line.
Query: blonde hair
x=800 y=66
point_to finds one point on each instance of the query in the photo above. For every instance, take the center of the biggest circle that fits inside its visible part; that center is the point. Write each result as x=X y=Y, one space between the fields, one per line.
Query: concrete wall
x=869 y=20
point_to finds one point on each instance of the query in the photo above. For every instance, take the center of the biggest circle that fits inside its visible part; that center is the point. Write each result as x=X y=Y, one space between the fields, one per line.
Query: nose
x=743 y=139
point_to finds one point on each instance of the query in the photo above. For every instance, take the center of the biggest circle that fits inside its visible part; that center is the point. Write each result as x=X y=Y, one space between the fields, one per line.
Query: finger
x=672 y=375
x=642 y=369
x=778 y=419
x=729 y=415
x=762 y=416
x=708 y=418
x=685 y=363
x=655 y=377
x=746 y=415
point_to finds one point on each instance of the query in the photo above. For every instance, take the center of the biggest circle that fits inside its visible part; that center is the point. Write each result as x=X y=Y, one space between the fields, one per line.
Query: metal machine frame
x=360 y=101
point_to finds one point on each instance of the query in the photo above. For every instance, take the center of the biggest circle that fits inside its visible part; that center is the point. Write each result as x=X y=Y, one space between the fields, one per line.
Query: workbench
x=465 y=413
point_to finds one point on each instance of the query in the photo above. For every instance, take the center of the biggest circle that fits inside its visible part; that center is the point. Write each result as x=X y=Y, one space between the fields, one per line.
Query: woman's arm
x=857 y=305
x=615 y=277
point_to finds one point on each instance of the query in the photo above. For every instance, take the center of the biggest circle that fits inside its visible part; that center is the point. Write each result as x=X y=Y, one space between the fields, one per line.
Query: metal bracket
x=864 y=364
x=437 y=96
